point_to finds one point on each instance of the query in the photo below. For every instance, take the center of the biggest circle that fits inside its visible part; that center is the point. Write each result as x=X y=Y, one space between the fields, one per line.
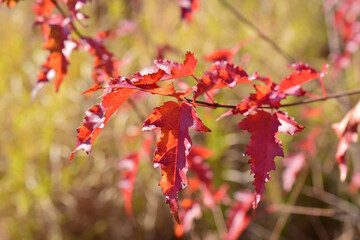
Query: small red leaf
x=293 y=164
x=129 y=167
x=236 y=217
x=173 y=146
x=189 y=211
x=96 y=118
x=188 y=7
x=303 y=74
x=220 y=75
x=346 y=131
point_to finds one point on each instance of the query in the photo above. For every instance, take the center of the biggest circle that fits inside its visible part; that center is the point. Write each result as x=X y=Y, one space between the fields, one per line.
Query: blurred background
x=44 y=196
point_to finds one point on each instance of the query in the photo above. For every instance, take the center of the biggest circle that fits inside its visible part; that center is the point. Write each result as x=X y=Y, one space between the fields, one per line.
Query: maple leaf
x=105 y=66
x=43 y=9
x=293 y=164
x=225 y=54
x=188 y=7
x=221 y=74
x=264 y=146
x=346 y=131
x=173 y=146
x=96 y=118
x=303 y=74
x=56 y=32
x=9 y=3
x=189 y=211
x=129 y=167
x=236 y=217
x=167 y=69
x=197 y=165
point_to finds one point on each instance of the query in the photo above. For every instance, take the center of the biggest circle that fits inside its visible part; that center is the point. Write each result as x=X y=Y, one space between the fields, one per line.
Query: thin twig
x=302 y=102
x=65 y=15
x=304 y=210
x=244 y=20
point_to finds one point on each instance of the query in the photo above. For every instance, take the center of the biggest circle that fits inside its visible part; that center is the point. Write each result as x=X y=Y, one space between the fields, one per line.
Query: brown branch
x=244 y=20
x=302 y=102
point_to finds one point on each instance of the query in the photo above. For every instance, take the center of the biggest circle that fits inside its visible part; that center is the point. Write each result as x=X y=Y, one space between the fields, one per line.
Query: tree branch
x=302 y=102
x=247 y=22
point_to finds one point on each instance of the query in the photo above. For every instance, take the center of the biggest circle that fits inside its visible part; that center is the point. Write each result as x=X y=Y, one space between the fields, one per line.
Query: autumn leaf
x=173 y=146
x=43 y=9
x=60 y=45
x=167 y=70
x=225 y=54
x=105 y=65
x=221 y=74
x=293 y=164
x=346 y=131
x=188 y=7
x=9 y=3
x=264 y=146
x=303 y=74
x=198 y=165
x=236 y=217
x=96 y=118
x=189 y=211
x=129 y=167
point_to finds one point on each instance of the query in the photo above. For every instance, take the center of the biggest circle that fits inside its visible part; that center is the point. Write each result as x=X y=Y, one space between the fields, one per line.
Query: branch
x=302 y=102
x=65 y=15
x=247 y=22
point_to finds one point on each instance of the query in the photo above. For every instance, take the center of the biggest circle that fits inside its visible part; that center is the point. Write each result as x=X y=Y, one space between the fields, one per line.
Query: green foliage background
x=44 y=196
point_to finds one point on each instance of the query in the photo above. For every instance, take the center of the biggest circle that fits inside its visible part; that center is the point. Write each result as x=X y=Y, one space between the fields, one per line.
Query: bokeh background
x=44 y=196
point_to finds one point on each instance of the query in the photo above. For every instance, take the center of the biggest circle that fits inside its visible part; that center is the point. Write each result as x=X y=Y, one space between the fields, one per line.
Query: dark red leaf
x=188 y=7
x=264 y=146
x=173 y=146
x=129 y=167
x=221 y=74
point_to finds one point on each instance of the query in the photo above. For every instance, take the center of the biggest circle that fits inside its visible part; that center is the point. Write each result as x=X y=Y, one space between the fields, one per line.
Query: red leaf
x=129 y=167
x=293 y=164
x=220 y=75
x=188 y=7
x=173 y=146
x=57 y=35
x=197 y=165
x=43 y=9
x=303 y=74
x=225 y=54
x=105 y=65
x=346 y=131
x=96 y=118
x=236 y=217
x=264 y=146
x=190 y=210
